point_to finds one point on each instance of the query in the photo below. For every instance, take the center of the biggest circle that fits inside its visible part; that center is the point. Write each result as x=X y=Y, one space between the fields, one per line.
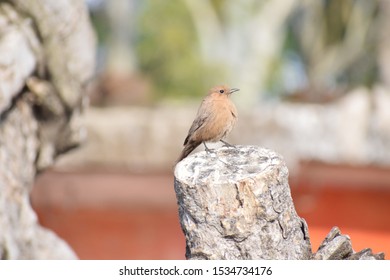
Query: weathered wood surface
x=337 y=246
x=235 y=203
x=46 y=59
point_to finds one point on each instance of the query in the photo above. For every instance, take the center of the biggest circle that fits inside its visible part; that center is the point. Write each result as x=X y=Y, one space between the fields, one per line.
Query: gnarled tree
x=47 y=52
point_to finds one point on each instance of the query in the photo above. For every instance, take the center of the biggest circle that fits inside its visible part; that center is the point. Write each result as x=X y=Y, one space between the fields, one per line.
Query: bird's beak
x=234 y=90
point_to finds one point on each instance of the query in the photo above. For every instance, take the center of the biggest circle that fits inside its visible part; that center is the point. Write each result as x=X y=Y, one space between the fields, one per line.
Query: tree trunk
x=46 y=59
x=235 y=203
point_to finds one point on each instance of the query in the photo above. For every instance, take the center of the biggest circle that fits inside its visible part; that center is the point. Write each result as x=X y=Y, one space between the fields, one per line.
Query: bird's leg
x=207 y=148
x=226 y=144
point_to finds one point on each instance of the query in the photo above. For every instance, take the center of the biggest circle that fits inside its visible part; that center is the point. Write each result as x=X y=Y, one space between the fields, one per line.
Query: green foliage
x=344 y=43
x=167 y=50
x=99 y=21
x=327 y=44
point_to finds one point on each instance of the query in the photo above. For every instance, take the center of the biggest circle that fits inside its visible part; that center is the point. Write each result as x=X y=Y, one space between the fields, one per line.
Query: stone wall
x=352 y=130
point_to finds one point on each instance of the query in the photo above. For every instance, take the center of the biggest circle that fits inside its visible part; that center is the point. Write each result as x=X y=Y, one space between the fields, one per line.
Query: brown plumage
x=215 y=119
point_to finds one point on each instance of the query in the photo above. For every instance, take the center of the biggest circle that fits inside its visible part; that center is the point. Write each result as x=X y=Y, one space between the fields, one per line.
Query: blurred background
x=314 y=79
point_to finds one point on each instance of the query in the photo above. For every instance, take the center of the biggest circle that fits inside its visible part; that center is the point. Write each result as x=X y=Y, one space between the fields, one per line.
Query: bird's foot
x=226 y=144
x=208 y=150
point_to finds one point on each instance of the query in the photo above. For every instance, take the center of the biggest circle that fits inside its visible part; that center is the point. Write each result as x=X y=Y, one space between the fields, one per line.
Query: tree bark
x=235 y=203
x=46 y=60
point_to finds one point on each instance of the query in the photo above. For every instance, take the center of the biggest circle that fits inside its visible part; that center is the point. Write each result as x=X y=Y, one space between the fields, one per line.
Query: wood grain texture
x=236 y=204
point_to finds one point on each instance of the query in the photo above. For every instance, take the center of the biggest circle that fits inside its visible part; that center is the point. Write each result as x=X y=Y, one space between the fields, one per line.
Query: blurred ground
x=116 y=215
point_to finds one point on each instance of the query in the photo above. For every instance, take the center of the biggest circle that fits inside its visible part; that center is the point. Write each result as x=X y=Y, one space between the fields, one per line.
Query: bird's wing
x=198 y=122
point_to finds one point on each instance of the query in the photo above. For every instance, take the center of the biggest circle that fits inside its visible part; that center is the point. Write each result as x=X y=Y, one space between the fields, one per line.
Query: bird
x=216 y=117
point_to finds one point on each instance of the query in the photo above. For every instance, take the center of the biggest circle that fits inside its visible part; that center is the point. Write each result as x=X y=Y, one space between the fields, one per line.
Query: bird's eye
x=221 y=91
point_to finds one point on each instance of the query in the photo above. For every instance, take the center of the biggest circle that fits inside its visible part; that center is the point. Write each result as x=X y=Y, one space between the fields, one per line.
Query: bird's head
x=223 y=90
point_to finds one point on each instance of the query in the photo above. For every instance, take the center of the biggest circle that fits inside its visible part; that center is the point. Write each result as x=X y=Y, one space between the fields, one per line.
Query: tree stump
x=235 y=203
x=337 y=246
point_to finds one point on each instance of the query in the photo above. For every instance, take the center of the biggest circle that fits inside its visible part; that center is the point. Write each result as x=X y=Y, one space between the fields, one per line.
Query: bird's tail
x=188 y=148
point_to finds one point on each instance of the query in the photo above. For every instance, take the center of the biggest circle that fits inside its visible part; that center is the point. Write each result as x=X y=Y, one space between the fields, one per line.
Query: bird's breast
x=221 y=121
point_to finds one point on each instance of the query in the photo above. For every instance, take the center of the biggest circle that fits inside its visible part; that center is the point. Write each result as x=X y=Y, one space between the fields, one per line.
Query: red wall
x=115 y=215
